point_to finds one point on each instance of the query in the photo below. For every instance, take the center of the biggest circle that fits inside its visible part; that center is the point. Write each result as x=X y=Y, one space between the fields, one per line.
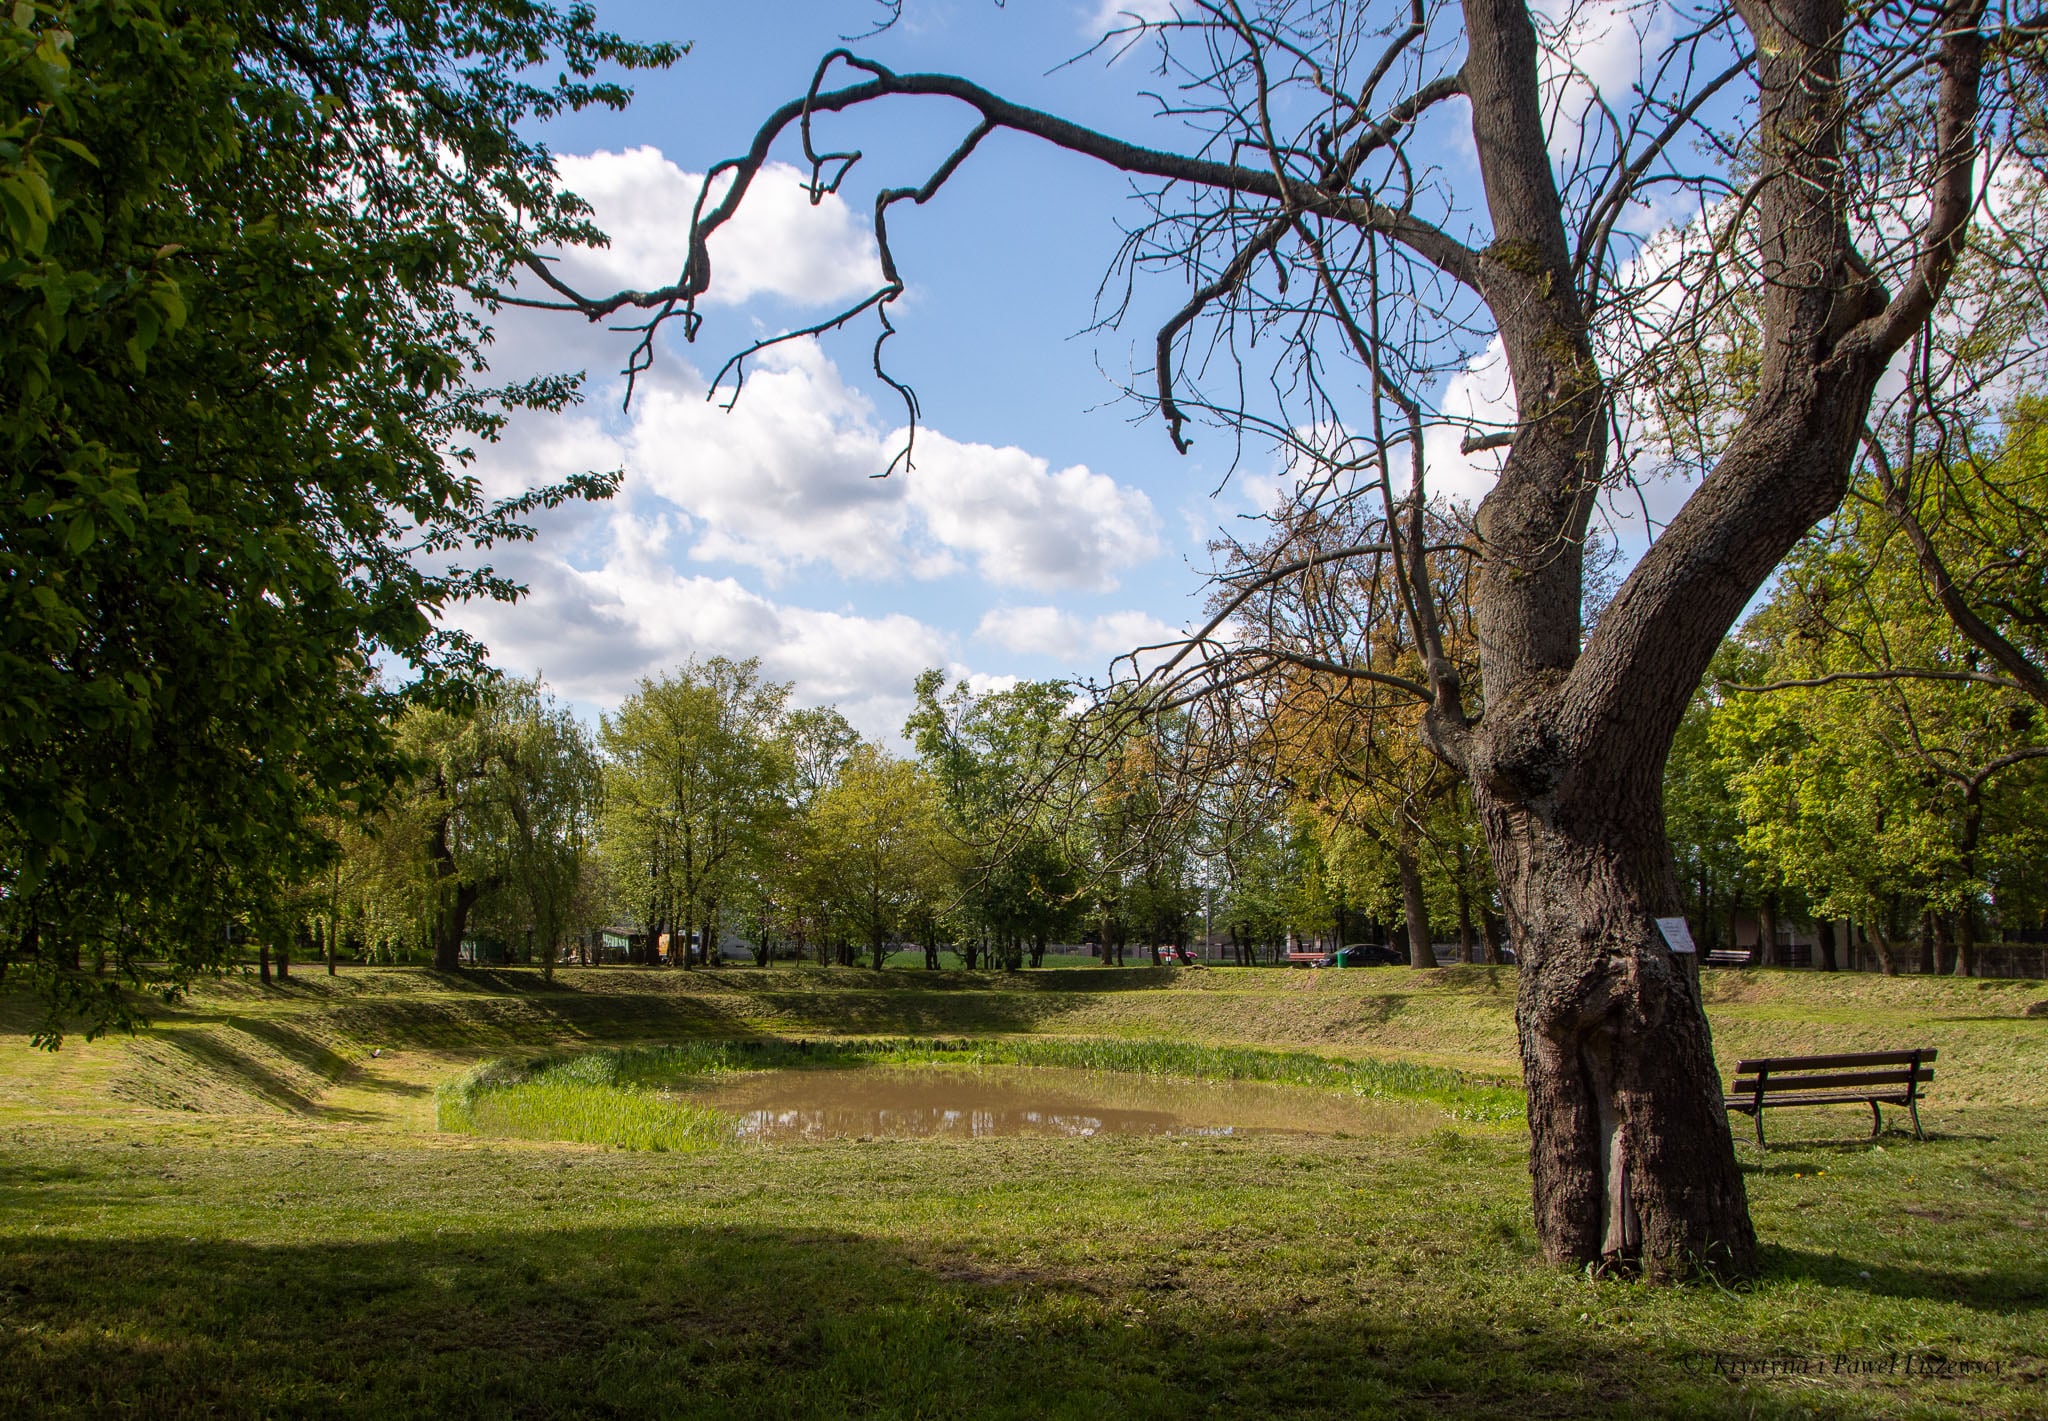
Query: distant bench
x=1870 y=1078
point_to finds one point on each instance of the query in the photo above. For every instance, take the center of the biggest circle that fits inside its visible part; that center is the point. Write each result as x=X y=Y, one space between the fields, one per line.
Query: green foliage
x=241 y=381
x=699 y=780
x=994 y=757
x=573 y=1100
x=1884 y=775
x=881 y=860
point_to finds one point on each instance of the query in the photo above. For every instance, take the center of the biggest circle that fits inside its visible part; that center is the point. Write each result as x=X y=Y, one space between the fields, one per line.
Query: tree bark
x=1631 y=1156
x=1824 y=934
x=263 y=963
x=1466 y=944
x=1767 y=932
x=1415 y=908
x=1490 y=931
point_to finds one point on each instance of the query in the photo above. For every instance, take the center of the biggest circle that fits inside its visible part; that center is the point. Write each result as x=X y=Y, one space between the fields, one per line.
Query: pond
x=979 y=1102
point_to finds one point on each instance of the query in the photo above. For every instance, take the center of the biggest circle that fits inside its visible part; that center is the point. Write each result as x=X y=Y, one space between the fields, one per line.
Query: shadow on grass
x=494 y=1019
x=1999 y=1290
x=746 y=1322
x=219 y=1058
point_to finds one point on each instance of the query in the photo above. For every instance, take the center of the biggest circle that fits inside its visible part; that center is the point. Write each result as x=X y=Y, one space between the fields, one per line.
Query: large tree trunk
x=1824 y=934
x=1421 y=952
x=1767 y=932
x=1466 y=941
x=1631 y=1155
x=452 y=925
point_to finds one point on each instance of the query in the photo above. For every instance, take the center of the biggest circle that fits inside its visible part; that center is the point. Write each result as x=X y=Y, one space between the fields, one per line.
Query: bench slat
x=1843 y=1080
x=1824 y=1063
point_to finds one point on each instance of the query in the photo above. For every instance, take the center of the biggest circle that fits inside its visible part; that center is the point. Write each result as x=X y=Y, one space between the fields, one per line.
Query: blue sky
x=1043 y=530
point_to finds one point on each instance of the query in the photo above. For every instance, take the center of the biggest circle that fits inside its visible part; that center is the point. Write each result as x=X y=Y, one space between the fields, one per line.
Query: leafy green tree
x=1877 y=766
x=881 y=853
x=240 y=374
x=492 y=823
x=550 y=799
x=994 y=756
x=698 y=776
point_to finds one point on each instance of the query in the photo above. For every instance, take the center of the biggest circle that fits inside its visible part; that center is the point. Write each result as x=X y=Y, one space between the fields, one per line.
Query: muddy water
x=973 y=1102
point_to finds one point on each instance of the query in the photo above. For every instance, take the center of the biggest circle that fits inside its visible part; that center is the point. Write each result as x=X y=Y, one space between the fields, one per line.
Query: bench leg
x=1758 y=1116
x=1876 y=1121
x=1914 y=1106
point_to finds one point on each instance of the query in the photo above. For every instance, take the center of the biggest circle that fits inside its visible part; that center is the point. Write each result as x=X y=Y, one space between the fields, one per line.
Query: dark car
x=1362 y=954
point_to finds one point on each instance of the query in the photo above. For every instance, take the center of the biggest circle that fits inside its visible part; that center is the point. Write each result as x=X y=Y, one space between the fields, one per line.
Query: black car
x=1362 y=954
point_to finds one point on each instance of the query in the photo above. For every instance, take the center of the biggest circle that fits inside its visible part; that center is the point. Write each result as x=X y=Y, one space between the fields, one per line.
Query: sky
x=1043 y=529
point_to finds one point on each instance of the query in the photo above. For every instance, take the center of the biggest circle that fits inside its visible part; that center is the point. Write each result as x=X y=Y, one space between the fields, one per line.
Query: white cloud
x=596 y=632
x=1027 y=524
x=778 y=244
x=782 y=479
x=1478 y=400
x=786 y=479
x=1053 y=632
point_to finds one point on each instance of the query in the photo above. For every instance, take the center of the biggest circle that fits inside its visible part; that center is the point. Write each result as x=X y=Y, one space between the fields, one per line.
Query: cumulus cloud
x=1054 y=632
x=1478 y=400
x=1027 y=524
x=779 y=244
x=595 y=632
x=786 y=478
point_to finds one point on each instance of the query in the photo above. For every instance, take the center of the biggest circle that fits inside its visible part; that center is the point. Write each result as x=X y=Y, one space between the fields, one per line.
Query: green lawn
x=245 y=1212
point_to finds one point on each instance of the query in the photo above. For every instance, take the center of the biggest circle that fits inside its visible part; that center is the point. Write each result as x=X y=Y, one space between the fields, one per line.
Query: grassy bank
x=246 y=1212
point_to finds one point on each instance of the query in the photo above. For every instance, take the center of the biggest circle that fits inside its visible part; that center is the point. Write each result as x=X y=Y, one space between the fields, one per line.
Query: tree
x=990 y=755
x=1877 y=764
x=493 y=821
x=551 y=802
x=698 y=778
x=240 y=375
x=880 y=851
x=1832 y=167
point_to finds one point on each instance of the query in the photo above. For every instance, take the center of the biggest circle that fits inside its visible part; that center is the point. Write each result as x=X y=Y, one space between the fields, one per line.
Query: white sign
x=1677 y=936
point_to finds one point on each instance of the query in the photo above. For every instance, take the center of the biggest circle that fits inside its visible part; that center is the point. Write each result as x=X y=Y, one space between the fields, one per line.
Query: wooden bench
x=1870 y=1078
x=1728 y=957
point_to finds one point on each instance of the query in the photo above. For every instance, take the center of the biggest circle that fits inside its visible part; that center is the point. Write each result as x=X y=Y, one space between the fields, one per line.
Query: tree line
x=1848 y=764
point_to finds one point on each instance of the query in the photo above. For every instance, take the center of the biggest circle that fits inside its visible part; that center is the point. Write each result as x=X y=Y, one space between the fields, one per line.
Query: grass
x=246 y=1213
x=571 y=1101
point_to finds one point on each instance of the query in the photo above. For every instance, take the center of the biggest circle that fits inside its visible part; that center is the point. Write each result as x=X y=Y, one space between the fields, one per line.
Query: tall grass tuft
x=579 y=1099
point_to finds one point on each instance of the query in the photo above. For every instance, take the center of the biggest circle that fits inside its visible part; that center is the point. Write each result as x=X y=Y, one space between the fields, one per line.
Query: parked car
x=1362 y=954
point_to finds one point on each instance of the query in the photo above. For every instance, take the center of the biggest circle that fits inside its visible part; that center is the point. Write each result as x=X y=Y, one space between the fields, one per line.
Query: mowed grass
x=245 y=1212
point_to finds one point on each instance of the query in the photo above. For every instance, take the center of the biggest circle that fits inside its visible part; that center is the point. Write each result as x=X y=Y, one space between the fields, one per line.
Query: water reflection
x=975 y=1103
